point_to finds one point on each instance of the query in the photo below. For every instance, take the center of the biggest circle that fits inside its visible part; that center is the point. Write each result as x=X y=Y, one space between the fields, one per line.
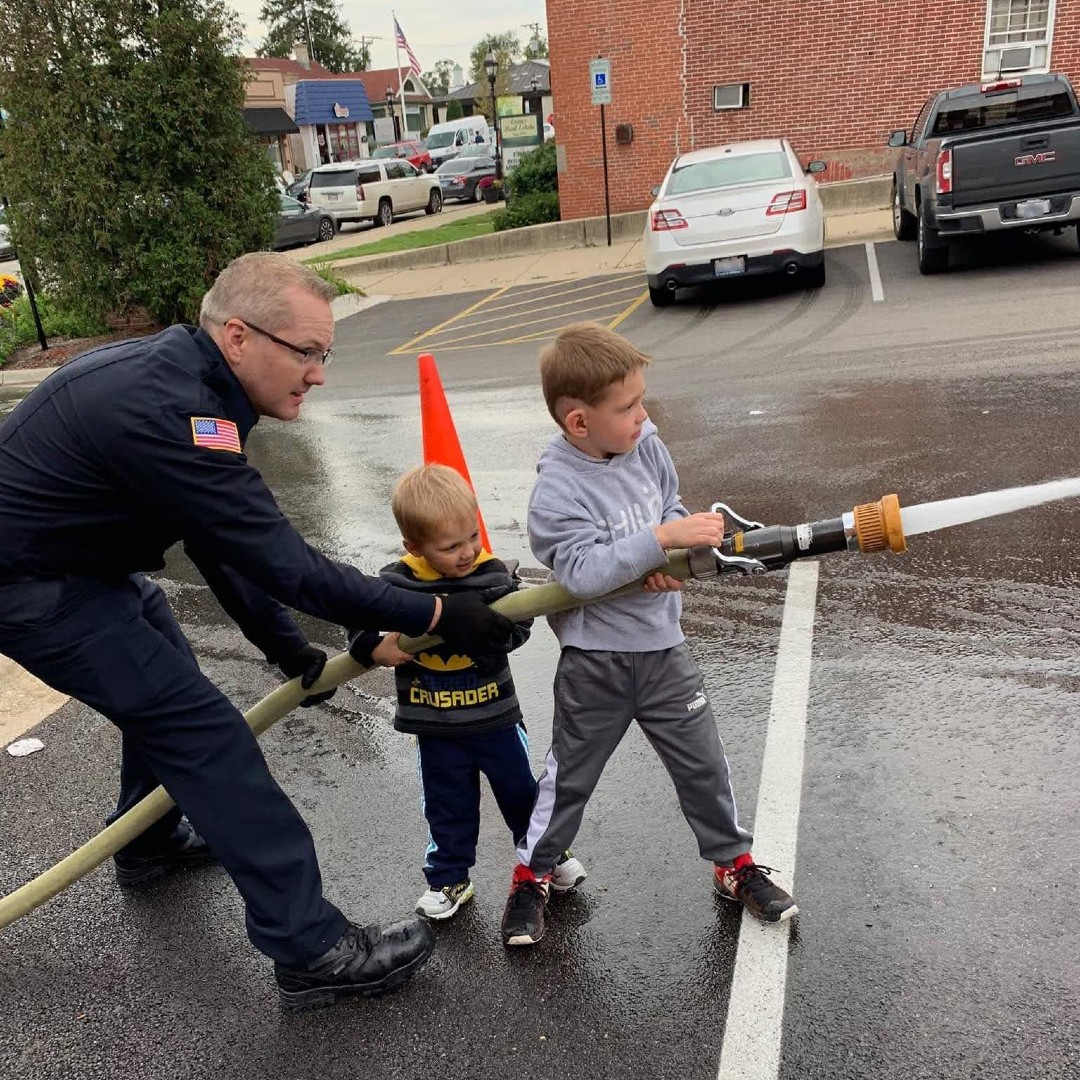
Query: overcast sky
x=435 y=30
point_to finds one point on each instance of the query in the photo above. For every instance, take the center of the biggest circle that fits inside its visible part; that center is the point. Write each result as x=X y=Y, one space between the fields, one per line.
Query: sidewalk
x=567 y=263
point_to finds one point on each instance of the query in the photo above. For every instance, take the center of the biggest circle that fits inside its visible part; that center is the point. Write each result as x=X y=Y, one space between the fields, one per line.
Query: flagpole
x=401 y=81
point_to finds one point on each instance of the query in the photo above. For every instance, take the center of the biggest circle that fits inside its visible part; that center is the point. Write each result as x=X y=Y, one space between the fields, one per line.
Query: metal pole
x=495 y=125
x=26 y=278
x=607 y=199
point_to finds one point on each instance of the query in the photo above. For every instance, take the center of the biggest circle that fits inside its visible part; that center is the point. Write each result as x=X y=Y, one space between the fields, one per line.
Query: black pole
x=495 y=125
x=607 y=198
x=26 y=280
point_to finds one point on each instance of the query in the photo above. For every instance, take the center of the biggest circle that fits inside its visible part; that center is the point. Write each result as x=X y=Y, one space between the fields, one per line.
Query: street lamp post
x=393 y=115
x=534 y=82
x=491 y=66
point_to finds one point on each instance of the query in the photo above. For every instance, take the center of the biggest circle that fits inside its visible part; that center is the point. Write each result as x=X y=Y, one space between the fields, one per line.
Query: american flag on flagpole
x=399 y=40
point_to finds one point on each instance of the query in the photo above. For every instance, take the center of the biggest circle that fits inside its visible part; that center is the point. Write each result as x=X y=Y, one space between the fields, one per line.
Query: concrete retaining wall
x=846 y=197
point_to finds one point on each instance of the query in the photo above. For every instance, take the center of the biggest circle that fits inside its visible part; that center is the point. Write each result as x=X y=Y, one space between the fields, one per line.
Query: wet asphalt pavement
x=937 y=849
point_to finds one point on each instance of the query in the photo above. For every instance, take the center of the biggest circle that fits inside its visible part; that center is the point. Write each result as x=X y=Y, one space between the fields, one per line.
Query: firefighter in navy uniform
x=107 y=463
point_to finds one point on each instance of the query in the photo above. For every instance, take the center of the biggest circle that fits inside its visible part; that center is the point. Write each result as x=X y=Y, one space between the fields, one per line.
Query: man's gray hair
x=250 y=288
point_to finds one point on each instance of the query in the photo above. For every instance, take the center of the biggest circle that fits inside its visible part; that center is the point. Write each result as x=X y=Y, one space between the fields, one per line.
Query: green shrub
x=532 y=209
x=534 y=173
x=17 y=324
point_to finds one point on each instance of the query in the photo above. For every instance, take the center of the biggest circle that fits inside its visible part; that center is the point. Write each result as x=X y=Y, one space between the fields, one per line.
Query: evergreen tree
x=331 y=40
x=132 y=176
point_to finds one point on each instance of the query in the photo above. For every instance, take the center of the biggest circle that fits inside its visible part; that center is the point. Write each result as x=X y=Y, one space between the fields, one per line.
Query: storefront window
x=344 y=141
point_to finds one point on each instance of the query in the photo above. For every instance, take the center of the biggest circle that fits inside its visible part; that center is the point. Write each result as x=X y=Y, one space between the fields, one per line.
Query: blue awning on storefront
x=331 y=101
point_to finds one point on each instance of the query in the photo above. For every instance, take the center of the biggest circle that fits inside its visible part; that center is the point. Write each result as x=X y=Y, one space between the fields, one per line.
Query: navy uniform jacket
x=103 y=468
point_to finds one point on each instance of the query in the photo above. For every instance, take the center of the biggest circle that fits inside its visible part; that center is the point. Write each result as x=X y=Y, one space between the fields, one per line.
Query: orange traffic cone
x=441 y=444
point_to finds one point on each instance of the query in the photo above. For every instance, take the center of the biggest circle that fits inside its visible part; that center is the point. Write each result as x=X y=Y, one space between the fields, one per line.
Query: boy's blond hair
x=583 y=361
x=430 y=497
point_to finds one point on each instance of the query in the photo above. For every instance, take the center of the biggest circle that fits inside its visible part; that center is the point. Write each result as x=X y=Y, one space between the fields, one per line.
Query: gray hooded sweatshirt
x=591 y=523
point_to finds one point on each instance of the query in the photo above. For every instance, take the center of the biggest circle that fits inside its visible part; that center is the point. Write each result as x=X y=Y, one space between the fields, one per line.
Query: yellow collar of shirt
x=423 y=571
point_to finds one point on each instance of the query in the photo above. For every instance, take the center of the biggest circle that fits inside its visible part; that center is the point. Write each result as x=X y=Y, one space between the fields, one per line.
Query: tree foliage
x=507 y=49
x=437 y=79
x=331 y=39
x=536 y=48
x=132 y=176
x=454 y=111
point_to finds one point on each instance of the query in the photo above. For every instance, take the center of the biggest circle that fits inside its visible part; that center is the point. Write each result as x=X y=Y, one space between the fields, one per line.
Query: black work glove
x=362 y=643
x=307 y=662
x=468 y=624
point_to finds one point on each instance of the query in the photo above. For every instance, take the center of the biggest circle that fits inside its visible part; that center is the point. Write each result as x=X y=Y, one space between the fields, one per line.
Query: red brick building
x=833 y=76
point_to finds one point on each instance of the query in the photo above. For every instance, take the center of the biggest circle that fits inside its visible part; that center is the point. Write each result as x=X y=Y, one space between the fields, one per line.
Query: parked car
x=7 y=250
x=988 y=157
x=298 y=224
x=733 y=211
x=373 y=190
x=413 y=151
x=460 y=176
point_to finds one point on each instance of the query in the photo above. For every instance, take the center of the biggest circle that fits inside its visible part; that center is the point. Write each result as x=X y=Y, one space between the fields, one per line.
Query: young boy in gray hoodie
x=603 y=514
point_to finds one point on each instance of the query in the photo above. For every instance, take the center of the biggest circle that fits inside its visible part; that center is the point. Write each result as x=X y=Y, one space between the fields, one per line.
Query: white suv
x=376 y=190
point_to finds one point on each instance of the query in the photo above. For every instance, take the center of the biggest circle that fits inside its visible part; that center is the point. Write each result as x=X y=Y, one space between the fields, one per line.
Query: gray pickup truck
x=989 y=157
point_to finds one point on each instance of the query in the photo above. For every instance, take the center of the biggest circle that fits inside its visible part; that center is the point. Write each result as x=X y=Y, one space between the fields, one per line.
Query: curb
x=841 y=198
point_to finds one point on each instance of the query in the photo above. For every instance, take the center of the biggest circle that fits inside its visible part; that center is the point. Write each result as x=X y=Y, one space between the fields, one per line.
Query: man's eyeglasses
x=311 y=356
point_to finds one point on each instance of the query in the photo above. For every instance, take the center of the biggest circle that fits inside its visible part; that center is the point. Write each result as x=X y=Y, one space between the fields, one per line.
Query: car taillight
x=459 y=179
x=787 y=202
x=359 y=192
x=665 y=220
x=944 y=172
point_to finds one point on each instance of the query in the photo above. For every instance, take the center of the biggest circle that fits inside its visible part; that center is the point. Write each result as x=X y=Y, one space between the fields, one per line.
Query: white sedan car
x=731 y=211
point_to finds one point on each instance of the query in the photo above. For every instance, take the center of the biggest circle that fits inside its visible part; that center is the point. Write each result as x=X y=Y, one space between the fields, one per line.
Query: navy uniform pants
x=450 y=771
x=117 y=647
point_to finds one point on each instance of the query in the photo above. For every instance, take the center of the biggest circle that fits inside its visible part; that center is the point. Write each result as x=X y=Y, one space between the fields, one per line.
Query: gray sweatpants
x=597 y=695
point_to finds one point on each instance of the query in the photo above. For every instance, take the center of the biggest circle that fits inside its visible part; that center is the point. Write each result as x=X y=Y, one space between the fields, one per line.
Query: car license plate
x=1032 y=208
x=332 y=196
x=726 y=267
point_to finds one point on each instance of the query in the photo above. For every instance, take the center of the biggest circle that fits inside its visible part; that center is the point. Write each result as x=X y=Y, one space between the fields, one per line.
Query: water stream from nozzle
x=931 y=516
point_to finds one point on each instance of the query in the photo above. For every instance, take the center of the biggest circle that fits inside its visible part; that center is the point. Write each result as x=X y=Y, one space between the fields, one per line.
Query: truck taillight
x=1004 y=84
x=664 y=220
x=787 y=202
x=359 y=192
x=944 y=172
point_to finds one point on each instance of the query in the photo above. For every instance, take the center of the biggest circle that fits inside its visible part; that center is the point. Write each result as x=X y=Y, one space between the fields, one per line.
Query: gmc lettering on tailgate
x=1042 y=158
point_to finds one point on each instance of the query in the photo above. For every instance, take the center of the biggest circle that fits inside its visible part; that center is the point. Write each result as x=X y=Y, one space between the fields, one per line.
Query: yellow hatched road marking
x=547 y=307
x=534 y=322
x=410 y=345
x=629 y=311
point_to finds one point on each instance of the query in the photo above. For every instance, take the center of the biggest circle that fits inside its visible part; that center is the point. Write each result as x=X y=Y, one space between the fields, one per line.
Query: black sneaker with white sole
x=750 y=886
x=523 y=916
x=366 y=961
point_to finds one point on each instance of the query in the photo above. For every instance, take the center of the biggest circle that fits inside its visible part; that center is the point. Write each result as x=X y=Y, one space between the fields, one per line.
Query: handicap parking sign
x=600 y=78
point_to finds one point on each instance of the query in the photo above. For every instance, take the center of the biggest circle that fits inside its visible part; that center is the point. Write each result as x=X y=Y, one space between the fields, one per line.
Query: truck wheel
x=933 y=251
x=904 y=224
x=385 y=215
x=814 y=278
x=434 y=203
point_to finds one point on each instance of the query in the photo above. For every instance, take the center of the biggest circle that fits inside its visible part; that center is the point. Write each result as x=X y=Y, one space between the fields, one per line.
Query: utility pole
x=312 y=58
x=364 y=40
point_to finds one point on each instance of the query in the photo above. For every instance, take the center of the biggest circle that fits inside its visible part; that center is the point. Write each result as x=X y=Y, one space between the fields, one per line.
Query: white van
x=444 y=141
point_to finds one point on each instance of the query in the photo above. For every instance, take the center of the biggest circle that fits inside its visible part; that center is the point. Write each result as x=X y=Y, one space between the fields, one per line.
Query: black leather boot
x=186 y=848
x=368 y=960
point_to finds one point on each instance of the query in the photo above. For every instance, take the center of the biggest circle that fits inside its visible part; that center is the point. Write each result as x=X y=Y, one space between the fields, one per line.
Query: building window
x=731 y=96
x=1018 y=35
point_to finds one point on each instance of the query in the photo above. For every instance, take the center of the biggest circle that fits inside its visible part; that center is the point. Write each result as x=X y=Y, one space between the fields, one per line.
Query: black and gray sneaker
x=523 y=917
x=368 y=960
x=749 y=886
x=186 y=848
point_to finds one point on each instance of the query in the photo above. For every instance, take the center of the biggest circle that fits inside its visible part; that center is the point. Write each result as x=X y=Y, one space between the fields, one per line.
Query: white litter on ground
x=22 y=747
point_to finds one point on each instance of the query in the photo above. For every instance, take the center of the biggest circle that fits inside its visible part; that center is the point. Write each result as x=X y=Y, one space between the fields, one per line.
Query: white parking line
x=755 y=1019
x=875 y=277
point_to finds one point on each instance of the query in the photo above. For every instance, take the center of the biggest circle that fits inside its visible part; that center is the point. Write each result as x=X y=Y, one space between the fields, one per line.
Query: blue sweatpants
x=450 y=770
x=117 y=647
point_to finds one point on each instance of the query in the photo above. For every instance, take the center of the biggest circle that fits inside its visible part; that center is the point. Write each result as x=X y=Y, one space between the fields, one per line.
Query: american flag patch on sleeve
x=215 y=434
